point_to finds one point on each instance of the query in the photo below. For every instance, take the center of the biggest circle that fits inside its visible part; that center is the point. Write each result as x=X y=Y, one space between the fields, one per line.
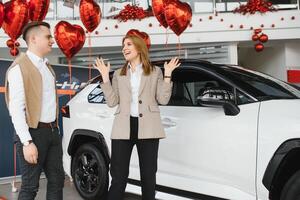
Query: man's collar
x=36 y=59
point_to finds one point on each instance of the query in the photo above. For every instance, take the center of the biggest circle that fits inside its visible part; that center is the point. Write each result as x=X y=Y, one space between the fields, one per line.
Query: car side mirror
x=217 y=97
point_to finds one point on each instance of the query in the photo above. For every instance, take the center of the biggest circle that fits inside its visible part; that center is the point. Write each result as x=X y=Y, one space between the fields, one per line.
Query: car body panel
x=278 y=122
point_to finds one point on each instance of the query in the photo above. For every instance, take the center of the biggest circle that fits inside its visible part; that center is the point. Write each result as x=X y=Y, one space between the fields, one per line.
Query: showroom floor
x=70 y=192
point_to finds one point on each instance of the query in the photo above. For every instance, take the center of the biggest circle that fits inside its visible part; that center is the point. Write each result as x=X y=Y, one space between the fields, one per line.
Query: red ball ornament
x=282 y=18
x=200 y=20
x=241 y=26
x=10 y=43
x=17 y=44
x=293 y=17
x=116 y=26
x=262 y=25
x=263 y=38
x=150 y=25
x=210 y=17
x=96 y=32
x=14 y=51
x=255 y=37
x=273 y=25
x=106 y=28
x=259 y=47
x=257 y=31
x=231 y=26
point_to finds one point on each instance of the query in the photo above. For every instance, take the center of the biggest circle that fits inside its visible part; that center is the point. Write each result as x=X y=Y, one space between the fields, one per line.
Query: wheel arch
x=83 y=136
x=284 y=163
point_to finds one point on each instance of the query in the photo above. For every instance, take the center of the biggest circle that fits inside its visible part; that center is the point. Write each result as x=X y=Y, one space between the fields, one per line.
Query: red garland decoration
x=254 y=6
x=133 y=12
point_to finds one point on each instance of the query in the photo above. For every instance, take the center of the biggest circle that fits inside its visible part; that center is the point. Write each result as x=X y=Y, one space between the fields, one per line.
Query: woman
x=137 y=88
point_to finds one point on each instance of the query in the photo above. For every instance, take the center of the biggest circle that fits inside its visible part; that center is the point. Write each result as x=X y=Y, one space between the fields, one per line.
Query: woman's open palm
x=171 y=65
x=102 y=68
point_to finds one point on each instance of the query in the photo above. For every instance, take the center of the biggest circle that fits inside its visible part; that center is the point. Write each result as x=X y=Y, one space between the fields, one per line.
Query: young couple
x=137 y=88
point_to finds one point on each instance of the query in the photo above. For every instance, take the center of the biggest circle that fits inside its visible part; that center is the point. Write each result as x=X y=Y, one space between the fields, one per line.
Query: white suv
x=232 y=133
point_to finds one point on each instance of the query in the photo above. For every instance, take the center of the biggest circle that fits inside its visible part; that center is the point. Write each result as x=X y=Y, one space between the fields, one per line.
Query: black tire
x=291 y=190
x=90 y=173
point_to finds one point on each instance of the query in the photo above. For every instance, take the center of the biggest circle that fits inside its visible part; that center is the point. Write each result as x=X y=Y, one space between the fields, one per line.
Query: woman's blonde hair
x=142 y=49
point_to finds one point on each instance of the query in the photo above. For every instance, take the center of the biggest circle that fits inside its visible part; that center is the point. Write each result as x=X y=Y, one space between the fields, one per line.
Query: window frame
x=202 y=69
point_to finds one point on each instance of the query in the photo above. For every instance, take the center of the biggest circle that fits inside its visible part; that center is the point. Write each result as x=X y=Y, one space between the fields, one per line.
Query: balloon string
x=70 y=74
x=70 y=70
x=167 y=37
x=179 y=47
x=90 y=55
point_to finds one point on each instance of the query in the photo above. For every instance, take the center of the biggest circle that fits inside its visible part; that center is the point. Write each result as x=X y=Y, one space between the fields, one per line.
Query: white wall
x=292 y=53
x=272 y=60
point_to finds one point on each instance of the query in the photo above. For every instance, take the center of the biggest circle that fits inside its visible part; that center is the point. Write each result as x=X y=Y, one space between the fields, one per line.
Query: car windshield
x=259 y=85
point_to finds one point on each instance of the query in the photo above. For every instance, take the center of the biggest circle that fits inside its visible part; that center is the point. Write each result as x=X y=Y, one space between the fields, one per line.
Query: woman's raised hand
x=169 y=67
x=102 y=68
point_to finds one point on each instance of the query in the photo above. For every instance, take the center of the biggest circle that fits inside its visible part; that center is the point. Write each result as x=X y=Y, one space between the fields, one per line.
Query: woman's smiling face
x=129 y=50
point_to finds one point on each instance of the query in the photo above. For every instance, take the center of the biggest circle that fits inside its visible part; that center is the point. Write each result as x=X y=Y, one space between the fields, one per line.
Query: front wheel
x=291 y=190
x=90 y=173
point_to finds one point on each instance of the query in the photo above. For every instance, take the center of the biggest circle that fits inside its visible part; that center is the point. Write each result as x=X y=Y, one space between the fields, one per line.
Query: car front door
x=206 y=151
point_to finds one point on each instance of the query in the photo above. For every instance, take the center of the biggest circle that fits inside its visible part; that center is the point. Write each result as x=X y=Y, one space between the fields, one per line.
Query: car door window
x=189 y=84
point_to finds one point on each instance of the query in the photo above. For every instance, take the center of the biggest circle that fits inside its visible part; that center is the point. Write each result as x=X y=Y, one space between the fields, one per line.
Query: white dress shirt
x=17 y=96
x=135 y=80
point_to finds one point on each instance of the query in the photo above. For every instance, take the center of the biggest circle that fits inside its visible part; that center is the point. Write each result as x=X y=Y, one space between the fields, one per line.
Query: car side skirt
x=178 y=192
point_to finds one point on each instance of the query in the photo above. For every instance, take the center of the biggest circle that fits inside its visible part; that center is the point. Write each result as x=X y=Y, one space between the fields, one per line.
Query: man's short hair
x=31 y=25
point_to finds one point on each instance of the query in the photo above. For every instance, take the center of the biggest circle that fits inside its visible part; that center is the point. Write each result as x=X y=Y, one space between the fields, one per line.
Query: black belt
x=47 y=125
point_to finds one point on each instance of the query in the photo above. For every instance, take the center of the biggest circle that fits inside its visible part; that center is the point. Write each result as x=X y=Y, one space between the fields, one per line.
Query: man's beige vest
x=32 y=80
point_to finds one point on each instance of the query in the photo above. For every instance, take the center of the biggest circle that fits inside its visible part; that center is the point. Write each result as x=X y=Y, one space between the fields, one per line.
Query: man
x=32 y=103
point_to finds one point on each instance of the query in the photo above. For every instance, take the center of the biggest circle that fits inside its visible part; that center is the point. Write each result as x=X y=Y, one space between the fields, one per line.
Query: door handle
x=168 y=123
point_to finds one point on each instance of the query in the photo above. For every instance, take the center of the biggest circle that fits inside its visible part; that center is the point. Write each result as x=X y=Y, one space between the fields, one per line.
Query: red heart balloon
x=38 y=9
x=259 y=47
x=1 y=13
x=158 y=8
x=90 y=13
x=178 y=15
x=142 y=35
x=263 y=38
x=16 y=16
x=69 y=38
